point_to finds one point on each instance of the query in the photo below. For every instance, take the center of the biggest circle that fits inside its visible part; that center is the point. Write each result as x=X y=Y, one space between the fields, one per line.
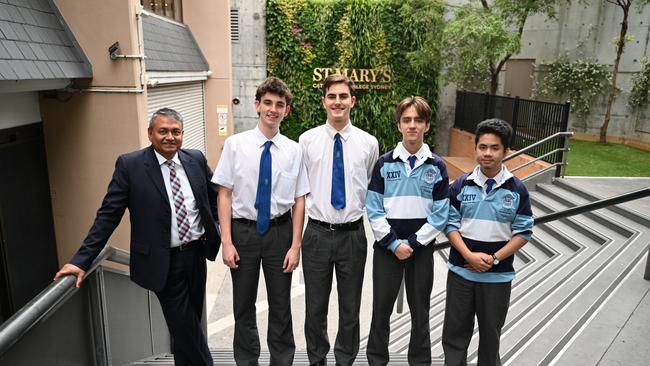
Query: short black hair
x=497 y=127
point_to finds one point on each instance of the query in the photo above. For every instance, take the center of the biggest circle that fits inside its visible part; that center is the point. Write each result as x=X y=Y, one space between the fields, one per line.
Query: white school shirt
x=360 y=152
x=239 y=166
x=196 y=227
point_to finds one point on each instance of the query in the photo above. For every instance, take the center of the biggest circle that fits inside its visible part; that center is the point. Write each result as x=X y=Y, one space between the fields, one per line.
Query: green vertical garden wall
x=391 y=45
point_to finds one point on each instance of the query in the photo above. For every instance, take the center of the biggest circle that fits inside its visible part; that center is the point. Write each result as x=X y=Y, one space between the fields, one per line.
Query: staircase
x=570 y=298
x=579 y=281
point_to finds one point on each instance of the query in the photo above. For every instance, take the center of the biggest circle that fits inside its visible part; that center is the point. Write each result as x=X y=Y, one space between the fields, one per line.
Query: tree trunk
x=494 y=82
x=620 y=45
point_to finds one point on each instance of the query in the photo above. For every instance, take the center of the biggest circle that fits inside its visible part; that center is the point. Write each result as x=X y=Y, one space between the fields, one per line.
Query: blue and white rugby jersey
x=487 y=222
x=408 y=204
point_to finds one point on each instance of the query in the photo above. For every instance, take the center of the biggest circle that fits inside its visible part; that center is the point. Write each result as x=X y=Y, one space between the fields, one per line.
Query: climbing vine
x=355 y=34
x=640 y=93
x=579 y=81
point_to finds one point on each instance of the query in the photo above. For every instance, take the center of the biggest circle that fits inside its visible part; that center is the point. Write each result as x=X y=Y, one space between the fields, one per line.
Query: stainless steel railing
x=48 y=300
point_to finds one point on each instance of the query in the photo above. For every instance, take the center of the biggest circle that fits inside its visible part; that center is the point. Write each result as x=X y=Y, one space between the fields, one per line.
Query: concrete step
x=564 y=322
x=641 y=218
x=594 y=222
x=605 y=325
x=224 y=357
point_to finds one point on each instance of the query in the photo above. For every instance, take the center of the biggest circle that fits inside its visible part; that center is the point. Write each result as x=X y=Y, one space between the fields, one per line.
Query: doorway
x=28 y=257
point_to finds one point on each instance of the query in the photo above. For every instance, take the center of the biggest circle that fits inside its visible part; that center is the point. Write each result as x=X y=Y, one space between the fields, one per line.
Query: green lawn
x=607 y=160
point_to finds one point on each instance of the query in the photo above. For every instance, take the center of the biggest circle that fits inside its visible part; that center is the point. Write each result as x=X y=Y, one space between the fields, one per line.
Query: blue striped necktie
x=338 y=175
x=263 y=197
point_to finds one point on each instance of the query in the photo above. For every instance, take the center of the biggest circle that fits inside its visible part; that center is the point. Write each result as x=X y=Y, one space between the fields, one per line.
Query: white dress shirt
x=239 y=166
x=196 y=227
x=480 y=178
x=421 y=156
x=360 y=152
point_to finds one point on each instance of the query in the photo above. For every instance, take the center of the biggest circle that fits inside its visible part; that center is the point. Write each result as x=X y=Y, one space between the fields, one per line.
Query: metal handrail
x=48 y=300
x=541 y=171
x=625 y=197
x=537 y=159
x=540 y=142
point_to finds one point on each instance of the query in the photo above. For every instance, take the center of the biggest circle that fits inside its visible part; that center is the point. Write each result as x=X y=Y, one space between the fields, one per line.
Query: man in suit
x=172 y=203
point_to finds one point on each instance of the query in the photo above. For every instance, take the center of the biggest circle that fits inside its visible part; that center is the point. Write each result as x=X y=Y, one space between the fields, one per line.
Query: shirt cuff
x=414 y=243
x=392 y=246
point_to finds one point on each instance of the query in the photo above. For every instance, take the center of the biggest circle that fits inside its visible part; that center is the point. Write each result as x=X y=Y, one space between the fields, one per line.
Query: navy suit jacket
x=138 y=185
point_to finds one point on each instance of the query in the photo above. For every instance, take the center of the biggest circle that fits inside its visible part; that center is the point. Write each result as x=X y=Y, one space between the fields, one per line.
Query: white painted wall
x=19 y=109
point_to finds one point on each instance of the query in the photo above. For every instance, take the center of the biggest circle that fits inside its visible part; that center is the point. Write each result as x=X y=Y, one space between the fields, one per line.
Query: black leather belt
x=187 y=246
x=275 y=221
x=347 y=226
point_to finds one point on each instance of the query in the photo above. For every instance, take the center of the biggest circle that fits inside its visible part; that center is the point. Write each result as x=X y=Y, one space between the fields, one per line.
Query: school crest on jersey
x=507 y=200
x=429 y=176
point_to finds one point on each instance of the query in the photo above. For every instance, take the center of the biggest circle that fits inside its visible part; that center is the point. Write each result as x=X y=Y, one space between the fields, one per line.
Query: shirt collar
x=260 y=139
x=401 y=152
x=480 y=178
x=345 y=131
x=162 y=159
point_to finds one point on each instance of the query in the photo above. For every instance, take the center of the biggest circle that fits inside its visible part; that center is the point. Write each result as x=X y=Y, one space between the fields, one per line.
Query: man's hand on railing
x=71 y=269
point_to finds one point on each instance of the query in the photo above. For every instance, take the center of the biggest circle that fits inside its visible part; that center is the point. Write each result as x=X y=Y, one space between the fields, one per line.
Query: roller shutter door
x=188 y=100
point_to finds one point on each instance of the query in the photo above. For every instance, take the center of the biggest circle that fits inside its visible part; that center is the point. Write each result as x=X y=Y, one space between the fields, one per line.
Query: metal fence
x=531 y=120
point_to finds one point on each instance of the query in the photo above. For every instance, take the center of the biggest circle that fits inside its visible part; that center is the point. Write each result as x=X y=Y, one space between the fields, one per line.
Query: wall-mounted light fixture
x=112 y=53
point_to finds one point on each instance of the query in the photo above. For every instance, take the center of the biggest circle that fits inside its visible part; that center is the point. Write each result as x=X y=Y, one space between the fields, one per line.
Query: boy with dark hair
x=261 y=214
x=490 y=219
x=407 y=204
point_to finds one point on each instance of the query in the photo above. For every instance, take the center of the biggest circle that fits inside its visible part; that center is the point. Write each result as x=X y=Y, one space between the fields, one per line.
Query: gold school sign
x=375 y=79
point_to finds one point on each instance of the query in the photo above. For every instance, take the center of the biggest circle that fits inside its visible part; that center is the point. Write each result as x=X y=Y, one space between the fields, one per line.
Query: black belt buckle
x=185 y=246
x=346 y=226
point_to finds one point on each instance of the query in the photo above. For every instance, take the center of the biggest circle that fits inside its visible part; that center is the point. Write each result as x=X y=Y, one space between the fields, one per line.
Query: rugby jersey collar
x=479 y=178
x=345 y=131
x=422 y=154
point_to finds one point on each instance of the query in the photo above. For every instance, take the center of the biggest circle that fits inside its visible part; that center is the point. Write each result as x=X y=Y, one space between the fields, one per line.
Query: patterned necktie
x=263 y=197
x=488 y=185
x=179 y=204
x=412 y=160
x=338 y=175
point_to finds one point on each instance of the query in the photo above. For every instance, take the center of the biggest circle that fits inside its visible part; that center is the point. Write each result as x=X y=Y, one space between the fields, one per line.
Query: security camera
x=235 y=101
x=113 y=49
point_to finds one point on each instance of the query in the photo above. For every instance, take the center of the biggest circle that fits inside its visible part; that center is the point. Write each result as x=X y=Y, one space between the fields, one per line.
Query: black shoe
x=319 y=363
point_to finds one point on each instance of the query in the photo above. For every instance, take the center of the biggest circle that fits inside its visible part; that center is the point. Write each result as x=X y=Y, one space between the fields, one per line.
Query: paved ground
x=625 y=349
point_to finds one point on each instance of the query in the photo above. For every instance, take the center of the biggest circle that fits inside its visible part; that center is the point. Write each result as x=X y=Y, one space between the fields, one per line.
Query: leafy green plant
x=356 y=34
x=579 y=81
x=619 y=42
x=640 y=93
x=484 y=35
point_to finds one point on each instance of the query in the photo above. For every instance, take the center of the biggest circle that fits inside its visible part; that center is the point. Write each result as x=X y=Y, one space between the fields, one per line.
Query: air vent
x=234 y=25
